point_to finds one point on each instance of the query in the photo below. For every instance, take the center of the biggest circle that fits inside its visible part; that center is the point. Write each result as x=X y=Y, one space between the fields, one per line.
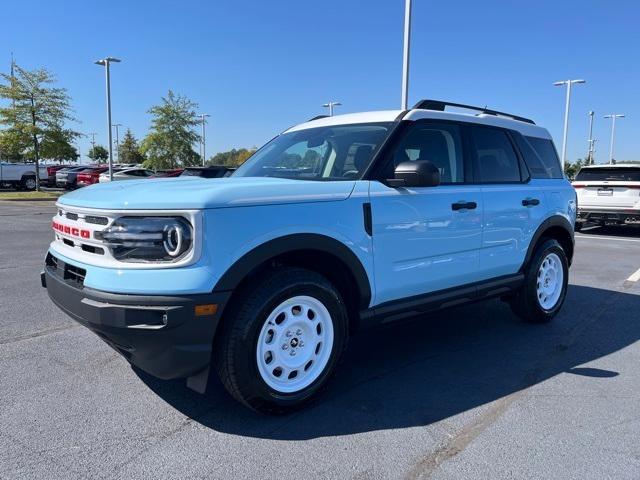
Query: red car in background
x=89 y=176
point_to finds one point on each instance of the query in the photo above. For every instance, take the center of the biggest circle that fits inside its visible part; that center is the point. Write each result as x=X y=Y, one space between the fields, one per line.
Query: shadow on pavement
x=419 y=373
x=627 y=231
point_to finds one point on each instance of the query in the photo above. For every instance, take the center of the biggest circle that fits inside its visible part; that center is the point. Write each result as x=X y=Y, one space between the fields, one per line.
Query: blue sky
x=260 y=66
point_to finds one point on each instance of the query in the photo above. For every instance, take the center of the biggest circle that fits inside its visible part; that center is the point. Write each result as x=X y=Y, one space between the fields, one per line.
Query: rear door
x=427 y=239
x=608 y=187
x=513 y=206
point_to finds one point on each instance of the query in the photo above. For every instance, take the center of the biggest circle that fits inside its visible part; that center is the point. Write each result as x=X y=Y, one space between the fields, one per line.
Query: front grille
x=96 y=220
x=74 y=274
x=72 y=216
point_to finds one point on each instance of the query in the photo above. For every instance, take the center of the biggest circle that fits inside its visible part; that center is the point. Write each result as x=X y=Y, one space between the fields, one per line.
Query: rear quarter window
x=540 y=156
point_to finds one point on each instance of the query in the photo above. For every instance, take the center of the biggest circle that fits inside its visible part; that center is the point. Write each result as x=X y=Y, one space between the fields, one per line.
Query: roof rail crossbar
x=317 y=117
x=440 y=106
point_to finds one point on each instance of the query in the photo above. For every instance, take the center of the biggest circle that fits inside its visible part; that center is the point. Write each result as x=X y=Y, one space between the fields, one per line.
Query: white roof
x=525 y=128
x=349 y=118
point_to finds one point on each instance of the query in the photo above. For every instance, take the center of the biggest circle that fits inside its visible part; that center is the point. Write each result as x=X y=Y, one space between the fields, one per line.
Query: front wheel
x=545 y=284
x=282 y=340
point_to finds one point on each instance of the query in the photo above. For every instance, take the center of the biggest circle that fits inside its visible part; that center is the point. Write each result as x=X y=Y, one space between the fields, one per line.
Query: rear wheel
x=282 y=340
x=29 y=183
x=545 y=284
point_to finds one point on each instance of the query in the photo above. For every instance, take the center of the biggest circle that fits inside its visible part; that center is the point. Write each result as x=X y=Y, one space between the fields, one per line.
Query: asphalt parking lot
x=468 y=393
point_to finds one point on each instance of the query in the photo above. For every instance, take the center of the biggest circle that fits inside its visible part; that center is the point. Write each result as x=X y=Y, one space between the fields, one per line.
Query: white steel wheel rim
x=549 y=281
x=295 y=344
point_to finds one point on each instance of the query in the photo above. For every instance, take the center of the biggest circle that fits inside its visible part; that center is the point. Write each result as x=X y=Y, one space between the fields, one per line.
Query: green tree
x=13 y=145
x=56 y=145
x=173 y=133
x=98 y=153
x=35 y=109
x=232 y=158
x=571 y=169
x=129 y=150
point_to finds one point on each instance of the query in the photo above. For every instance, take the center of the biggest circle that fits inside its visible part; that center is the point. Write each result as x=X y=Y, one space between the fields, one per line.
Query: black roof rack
x=317 y=117
x=440 y=106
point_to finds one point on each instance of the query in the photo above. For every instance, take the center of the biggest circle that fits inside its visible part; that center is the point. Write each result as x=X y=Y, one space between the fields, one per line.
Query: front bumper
x=609 y=216
x=161 y=335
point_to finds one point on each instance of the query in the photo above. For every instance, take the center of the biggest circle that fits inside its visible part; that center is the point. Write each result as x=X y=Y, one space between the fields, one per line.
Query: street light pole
x=330 y=106
x=116 y=125
x=568 y=83
x=591 y=141
x=613 y=117
x=405 y=55
x=203 y=140
x=105 y=62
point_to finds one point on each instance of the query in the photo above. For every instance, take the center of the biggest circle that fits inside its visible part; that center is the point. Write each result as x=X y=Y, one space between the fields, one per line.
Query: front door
x=428 y=238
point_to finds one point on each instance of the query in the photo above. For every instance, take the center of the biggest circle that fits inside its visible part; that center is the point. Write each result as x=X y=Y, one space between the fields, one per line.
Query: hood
x=199 y=193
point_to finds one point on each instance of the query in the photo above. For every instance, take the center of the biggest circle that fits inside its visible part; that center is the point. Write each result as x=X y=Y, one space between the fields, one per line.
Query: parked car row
x=69 y=177
x=85 y=175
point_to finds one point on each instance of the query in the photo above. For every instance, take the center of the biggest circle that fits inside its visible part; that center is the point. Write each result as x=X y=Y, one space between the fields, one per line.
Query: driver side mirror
x=419 y=173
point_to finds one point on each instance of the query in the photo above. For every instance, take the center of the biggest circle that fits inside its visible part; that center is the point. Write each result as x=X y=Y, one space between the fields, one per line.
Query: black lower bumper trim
x=159 y=334
x=620 y=217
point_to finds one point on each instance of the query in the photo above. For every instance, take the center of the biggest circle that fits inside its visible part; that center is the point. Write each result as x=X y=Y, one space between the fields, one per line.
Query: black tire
x=235 y=345
x=525 y=302
x=578 y=226
x=28 y=183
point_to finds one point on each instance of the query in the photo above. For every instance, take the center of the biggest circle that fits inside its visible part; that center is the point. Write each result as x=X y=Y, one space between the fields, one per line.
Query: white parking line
x=634 y=276
x=593 y=237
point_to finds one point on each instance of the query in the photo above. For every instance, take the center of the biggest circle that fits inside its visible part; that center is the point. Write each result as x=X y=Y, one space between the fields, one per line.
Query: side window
x=497 y=159
x=441 y=144
x=548 y=156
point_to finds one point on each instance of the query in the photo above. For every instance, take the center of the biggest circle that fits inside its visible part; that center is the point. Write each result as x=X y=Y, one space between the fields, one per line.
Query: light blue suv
x=336 y=224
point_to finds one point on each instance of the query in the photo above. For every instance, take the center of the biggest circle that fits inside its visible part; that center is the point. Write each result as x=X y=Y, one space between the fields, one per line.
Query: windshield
x=339 y=152
x=622 y=174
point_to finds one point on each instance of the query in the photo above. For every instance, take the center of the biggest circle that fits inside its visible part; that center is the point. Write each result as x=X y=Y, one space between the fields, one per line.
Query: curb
x=28 y=199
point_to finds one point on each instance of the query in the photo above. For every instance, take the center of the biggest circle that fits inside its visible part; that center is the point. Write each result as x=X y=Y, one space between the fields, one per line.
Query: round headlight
x=148 y=239
x=173 y=239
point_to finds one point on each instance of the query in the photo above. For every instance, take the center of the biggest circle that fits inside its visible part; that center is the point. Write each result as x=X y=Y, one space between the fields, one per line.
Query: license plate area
x=605 y=192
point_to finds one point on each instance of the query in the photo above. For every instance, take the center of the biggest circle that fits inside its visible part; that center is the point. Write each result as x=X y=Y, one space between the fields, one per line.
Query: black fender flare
x=290 y=243
x=551 y=222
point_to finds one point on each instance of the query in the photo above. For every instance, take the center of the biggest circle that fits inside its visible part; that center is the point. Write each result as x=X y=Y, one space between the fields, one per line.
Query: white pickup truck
x=20 y=175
